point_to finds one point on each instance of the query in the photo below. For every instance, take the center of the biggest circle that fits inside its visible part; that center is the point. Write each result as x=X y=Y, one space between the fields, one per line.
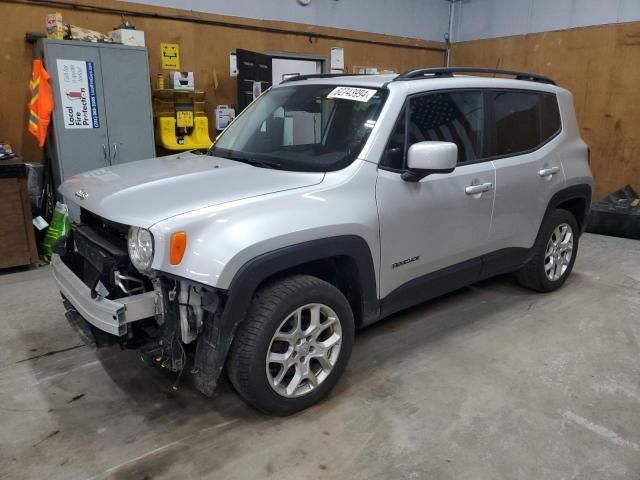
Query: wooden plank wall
x=203 y=48
x=601 y=67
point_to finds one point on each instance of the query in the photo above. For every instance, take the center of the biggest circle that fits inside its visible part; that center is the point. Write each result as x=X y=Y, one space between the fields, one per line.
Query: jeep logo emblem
x=81 y=194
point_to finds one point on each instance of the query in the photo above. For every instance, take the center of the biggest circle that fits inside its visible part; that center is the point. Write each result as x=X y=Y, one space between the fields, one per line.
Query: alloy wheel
x=558 y=252
x=303 y=350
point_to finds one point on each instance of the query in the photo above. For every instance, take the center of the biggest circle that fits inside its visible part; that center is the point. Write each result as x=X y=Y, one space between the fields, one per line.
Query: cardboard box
x=55 y=28
x=127 y=36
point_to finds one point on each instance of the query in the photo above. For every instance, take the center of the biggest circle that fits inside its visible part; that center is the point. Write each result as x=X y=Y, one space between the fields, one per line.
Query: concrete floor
x=491 y=382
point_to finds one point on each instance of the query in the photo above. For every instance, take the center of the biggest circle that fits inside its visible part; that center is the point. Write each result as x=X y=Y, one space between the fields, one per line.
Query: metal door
x=444 y=219
x=252 y=67
x=125 y=75
x=527 y=178
x=434 y=223
x=79 y=123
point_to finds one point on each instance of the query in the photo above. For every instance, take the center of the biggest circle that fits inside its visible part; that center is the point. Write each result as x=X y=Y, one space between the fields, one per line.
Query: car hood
x=145 y=192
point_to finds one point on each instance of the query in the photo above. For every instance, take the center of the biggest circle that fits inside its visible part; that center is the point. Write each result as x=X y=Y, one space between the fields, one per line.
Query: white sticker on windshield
x=352 y=93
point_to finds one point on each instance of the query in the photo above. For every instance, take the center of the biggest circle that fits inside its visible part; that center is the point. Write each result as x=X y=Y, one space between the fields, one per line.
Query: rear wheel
x=293 y=346
x=555 y=253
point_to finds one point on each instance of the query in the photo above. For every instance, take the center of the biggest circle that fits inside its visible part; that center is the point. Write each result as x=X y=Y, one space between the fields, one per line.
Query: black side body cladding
x=452 y=278
x=431 y=286
x=507 y=260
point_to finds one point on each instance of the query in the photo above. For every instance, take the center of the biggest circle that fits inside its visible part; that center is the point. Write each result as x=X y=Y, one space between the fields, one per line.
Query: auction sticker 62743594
x=352 y=93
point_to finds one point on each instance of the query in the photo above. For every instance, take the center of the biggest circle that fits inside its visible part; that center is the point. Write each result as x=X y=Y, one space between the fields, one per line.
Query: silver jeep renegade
x=330 y=203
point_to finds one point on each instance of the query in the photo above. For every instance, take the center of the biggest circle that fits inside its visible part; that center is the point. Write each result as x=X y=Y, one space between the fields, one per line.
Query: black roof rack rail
x=449 y=71
x=323 y=75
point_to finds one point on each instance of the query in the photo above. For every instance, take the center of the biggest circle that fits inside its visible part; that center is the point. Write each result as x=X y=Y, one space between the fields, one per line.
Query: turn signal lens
x=178 y=247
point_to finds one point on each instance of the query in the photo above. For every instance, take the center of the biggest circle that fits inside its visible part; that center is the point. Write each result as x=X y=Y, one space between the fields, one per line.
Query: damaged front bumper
x=110 y=316
x=173 y=322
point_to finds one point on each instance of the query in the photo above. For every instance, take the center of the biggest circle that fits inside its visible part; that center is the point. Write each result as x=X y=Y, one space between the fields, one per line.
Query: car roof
x=427 y=83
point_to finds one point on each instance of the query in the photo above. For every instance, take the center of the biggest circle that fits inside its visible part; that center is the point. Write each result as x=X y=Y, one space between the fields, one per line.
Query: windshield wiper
x=265 y=164
x=255 y=163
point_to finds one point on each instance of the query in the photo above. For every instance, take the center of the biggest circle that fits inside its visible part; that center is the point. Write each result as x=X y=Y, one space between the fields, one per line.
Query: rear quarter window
x=551 y=123
x=523 y=121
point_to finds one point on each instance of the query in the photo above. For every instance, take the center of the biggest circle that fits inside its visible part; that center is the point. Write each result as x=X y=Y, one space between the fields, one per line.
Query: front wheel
x=554 y=253
x=293 y=346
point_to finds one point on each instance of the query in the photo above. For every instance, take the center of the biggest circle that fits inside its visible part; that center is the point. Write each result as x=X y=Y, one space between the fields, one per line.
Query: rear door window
x=517 y=122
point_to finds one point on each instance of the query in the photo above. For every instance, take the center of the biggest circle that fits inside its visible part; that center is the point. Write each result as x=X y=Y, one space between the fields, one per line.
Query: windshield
x=309 y=128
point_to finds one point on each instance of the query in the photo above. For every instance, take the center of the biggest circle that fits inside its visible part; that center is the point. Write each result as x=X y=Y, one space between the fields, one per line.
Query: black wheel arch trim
x=215 y=342
x=581 y=191
x=255 y=271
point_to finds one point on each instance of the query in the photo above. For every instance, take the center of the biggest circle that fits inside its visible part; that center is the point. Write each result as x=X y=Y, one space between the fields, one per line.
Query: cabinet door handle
x=115 y=152
x=104 y=154
x=545 y=172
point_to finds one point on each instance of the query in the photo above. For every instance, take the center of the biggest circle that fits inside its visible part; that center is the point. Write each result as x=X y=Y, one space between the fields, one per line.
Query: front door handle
x=476 y=189
x=547 y=172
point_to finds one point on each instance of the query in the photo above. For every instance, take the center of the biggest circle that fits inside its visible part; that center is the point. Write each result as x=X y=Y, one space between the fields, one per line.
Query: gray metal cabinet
x=129 y=109
x=103 y=113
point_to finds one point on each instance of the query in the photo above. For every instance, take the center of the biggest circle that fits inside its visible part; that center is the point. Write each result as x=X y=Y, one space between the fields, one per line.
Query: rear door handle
x=476 y=189
x=546 y=172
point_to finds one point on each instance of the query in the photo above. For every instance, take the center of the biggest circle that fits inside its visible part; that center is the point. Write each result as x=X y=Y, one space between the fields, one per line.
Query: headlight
x=140 y=244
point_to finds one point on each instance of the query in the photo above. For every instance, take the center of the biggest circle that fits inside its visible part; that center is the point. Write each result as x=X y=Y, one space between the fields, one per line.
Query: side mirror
x=425 y=158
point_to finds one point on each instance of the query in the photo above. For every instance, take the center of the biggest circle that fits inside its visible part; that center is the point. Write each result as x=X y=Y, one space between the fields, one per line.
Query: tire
x=314 y=353
x=545 y=272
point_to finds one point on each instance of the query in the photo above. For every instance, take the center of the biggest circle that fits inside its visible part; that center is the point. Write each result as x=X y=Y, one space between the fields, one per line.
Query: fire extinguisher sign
x=78 y=94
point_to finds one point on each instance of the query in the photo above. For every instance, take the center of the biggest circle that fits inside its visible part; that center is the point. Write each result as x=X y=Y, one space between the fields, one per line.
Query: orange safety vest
x=41 y=103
